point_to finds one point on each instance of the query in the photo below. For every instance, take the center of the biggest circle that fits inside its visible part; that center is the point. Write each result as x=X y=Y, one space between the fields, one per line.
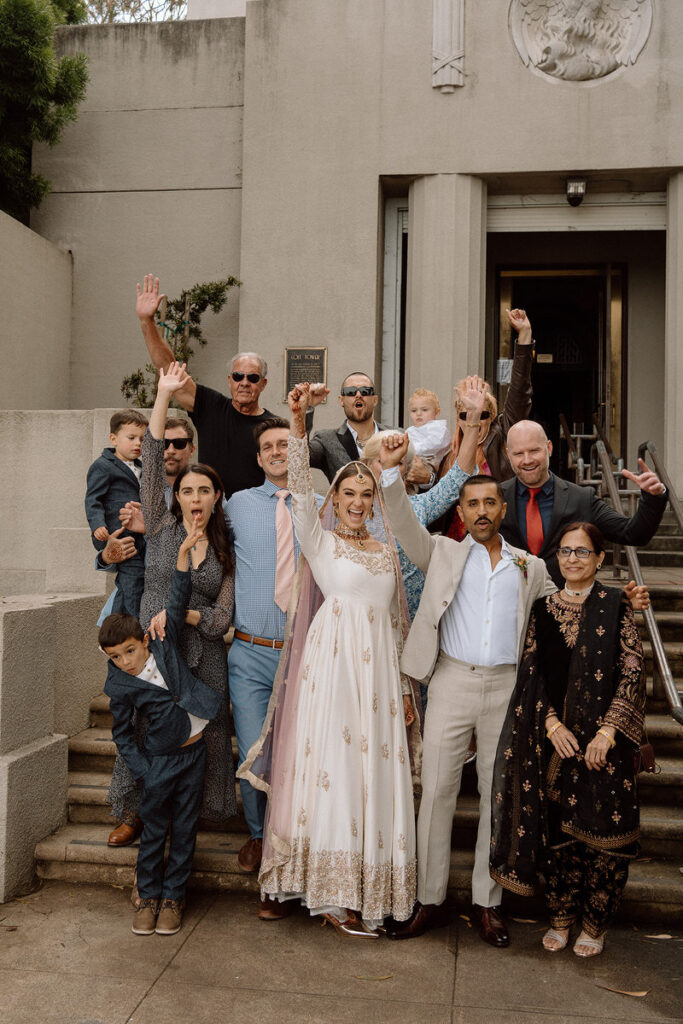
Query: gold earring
x=371 y=514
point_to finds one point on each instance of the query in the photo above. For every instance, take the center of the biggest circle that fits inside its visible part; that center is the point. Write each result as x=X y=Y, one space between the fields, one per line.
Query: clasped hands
x=566 y=744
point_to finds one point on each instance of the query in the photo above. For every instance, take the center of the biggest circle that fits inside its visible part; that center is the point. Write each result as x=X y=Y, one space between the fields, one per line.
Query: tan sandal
x=592 y=947
x=561 y=940
x=352 y=927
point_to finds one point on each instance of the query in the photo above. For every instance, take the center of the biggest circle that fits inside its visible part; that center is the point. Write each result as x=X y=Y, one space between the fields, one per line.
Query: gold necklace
x=358 y=536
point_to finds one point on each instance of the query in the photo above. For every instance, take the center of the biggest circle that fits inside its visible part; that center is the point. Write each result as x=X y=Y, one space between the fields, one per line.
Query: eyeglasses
x=176 y=442
x=253 y=378
x=583 y=553
x=366 y=390
x=485 y=415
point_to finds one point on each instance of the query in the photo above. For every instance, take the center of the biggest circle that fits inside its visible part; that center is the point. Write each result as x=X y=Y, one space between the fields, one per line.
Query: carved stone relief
x=448 y=42
x=579 y=40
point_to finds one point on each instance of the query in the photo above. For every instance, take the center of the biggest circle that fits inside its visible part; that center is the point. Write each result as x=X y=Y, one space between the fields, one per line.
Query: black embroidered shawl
x=585 y=661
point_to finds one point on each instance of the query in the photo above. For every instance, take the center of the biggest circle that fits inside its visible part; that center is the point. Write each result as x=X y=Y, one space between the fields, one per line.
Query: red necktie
x=534 y=523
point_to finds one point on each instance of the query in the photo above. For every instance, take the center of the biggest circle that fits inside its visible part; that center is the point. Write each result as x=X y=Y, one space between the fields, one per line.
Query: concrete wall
x=35 y=281
x=147 y=179
x=339 y=94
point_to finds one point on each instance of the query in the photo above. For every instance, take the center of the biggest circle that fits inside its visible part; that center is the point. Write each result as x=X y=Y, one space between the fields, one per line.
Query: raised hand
x=519 y=320
x=173 y=378
x=646 y=479
x=148 y=297
x=394 y=448
x=298 y=400
x=318 y=394
x=131 y=517
x=472 y=397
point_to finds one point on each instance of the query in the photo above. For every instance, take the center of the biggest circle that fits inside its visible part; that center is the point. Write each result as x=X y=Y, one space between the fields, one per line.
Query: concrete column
x=673 y=346
x=446 y=283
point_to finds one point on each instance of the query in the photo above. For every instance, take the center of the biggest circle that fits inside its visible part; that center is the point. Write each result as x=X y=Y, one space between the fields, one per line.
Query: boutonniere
x=522 y=562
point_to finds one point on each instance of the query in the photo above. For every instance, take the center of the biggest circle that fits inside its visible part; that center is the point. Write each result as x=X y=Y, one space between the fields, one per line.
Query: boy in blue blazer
x=150 y=675
x=113 y=480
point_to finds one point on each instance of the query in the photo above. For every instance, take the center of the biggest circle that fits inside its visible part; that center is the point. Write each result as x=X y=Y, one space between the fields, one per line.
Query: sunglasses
x=366 y=390
x=485 y=415
x=579 y=552
x=253 y=378
x=176 y=442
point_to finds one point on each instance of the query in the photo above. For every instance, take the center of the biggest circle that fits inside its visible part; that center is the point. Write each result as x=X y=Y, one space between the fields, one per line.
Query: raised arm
x=518 y=399
x=159 y=350
x=309 y=531
x=416 y=541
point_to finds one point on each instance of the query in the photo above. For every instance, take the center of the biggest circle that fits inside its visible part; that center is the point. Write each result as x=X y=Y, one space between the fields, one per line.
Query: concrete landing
x=67 y=956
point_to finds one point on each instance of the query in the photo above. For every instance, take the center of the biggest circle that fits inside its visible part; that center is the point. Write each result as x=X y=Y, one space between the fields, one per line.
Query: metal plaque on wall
x=305 y=364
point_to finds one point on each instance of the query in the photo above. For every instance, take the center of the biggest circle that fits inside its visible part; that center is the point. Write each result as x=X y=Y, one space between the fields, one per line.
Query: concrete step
x=674 y=655
x=87 y=803
x=79 y=853
x=667 y=539
x=662 y=727
x=669 y=624
x=100 y=715
x=93 y=750
x=666 y=597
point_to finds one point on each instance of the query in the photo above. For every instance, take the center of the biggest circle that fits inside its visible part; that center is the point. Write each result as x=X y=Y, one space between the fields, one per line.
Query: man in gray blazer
x=465 y=641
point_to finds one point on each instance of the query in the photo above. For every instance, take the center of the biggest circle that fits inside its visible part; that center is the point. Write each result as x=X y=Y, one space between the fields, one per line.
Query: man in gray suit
x=465 y=641
x=332 y=449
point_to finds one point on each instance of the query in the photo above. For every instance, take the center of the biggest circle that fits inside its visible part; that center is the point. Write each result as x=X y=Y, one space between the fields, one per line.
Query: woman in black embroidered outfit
x=565 y=798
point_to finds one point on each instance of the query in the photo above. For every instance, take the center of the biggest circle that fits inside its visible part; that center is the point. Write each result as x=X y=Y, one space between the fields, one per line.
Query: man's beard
x=359 y=415
x=172 y=468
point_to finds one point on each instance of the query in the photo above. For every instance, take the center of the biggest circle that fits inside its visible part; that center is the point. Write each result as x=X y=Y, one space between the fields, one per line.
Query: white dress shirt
x=480 y=624
x=151 y=674
x=354 y=434
x=131 y=465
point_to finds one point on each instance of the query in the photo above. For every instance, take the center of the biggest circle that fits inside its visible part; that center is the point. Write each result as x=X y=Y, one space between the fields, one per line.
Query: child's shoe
x=145 y=916
x=170 y=917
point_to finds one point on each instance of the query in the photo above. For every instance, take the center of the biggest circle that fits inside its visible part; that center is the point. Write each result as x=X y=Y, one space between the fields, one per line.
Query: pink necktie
x=284 y=565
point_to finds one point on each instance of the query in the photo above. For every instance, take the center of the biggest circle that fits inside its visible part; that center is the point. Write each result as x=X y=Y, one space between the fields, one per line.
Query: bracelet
x=603 y=732
x=477 y=425
x=554 y=729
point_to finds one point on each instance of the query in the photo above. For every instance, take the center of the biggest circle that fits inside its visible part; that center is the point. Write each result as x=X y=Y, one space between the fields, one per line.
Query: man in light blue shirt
x=259 y=621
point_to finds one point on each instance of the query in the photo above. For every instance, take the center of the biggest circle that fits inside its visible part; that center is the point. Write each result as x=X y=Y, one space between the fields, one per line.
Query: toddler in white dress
x=430 y=436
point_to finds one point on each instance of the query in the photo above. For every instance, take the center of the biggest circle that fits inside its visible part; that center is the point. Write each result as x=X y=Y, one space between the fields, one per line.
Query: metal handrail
x=660 y=469
x=670 y=689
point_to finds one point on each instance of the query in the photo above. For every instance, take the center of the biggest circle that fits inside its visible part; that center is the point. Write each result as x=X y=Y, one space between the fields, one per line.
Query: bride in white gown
x=340 y=745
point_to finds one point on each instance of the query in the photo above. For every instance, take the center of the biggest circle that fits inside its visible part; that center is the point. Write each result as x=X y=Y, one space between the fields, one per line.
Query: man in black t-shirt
x=225 y=426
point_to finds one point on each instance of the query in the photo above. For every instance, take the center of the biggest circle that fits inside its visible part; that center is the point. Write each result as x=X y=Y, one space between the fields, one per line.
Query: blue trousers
x=130 y=583
x=171 y=795
x=251 y=671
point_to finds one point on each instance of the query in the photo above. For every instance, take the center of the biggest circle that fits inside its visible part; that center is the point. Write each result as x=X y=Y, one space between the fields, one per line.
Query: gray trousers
x=462 y=699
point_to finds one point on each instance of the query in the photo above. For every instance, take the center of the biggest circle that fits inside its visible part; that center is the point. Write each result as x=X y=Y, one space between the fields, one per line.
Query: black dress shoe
x=431 y=915
x=491 y=926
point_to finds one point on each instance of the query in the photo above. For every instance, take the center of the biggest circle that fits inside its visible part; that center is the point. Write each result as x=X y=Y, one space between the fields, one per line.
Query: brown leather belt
x=260 y=641
x=193 y=739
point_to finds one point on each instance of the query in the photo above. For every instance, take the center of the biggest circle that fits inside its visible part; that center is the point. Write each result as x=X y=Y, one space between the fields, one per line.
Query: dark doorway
x=577 y=320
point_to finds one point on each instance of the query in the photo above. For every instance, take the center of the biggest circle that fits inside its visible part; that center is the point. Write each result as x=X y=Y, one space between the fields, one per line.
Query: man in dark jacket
x=539 y=503
x=149 y=675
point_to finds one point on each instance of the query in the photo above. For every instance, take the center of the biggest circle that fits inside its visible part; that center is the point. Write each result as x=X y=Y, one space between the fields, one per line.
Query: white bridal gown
x=353 y=823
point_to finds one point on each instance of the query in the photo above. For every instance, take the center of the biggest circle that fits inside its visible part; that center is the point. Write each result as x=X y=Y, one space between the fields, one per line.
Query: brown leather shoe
x=491 y=925
x=274 y=910
x=431 y=915
x=124 y=835
x=249 y=857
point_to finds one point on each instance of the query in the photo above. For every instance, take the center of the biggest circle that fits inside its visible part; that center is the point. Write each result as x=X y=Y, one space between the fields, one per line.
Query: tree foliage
x=104 y=12
x=181 y=326
x=39 y=93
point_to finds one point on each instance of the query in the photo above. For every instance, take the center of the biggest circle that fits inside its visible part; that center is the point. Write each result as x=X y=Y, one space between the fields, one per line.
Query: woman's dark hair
x=353 y=469
x=119 y=627
x=216 y=528
x=597 y=539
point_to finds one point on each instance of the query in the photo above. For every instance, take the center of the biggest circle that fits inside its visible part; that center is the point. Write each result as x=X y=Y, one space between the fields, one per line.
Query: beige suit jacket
x=443 y=560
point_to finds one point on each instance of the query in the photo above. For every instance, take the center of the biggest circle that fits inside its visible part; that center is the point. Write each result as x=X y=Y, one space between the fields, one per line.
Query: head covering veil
x=270 y=764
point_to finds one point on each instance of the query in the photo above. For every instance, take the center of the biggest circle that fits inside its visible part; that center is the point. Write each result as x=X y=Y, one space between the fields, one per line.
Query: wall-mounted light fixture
x=576 y=190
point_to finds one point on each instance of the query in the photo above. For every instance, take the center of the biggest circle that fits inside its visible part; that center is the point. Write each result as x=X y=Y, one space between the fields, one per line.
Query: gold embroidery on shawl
x=377 y=563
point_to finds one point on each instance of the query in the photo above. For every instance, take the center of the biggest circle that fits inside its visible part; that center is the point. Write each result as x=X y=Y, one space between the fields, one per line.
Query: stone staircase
x=79 y=852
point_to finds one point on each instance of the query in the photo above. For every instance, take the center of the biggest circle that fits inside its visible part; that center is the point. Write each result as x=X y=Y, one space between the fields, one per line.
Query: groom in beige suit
x=465 y=641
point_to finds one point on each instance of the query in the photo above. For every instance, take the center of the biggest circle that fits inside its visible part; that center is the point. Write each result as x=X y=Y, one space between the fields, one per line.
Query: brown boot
x=274 y=910
x=144 y=918
x=249 y=857
x=170 y=917
x=124 y=835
